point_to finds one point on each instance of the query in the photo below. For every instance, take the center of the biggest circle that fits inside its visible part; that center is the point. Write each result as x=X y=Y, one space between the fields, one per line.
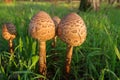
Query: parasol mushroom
x=9 y=33
x=72 y=30
x=56 y=21
x=42 y=28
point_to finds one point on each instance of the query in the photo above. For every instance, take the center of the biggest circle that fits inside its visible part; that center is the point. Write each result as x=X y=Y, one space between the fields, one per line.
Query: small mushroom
x=72 y=30
x=9 y=33
x=56 y=21
x=42 y=28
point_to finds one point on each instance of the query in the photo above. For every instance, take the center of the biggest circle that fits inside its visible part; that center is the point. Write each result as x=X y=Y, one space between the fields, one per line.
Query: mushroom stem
x=42 y=58
x=54 y=42
x=11 y=46
x=68 y=59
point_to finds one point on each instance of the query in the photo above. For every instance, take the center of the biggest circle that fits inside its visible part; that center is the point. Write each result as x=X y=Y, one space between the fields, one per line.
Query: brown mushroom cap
x=8 y=31
x=72 y=30
x=42 y=26
x=56 y=21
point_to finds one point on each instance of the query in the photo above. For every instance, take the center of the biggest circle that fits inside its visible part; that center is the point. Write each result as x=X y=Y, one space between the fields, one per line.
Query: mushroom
x=71 y=30
x=9 y=33
x=42 y=28
x=56 y=21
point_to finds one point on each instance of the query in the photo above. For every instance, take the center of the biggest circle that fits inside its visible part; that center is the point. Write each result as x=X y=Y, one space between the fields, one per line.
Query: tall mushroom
x=56 y=21
x=9 y=33
x=42 y=28
x=72 y=30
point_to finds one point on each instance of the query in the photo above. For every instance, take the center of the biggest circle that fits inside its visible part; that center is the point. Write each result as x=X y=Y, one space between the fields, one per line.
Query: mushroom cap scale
x=8 y=31
x=72 y=30
x=42 y=27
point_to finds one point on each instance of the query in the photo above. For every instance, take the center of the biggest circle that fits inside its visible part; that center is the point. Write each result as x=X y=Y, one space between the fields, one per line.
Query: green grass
x=97 y=59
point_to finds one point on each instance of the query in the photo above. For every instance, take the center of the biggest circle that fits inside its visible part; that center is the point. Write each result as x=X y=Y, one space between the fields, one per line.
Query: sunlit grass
x=97 y=58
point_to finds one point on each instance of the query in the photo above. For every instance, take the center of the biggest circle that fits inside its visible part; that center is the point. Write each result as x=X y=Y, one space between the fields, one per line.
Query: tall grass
x=97 y=59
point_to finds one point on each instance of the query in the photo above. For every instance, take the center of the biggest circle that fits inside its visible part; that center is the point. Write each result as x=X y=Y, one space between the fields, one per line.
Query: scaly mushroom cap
x=56 y=21
x=42 y=26
x=72 y=30
x=8 y=31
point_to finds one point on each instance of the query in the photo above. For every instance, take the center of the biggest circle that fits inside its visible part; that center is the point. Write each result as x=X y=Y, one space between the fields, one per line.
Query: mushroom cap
x=72 y=30
x=8 y=31
x=56 y=21
x=42 y=27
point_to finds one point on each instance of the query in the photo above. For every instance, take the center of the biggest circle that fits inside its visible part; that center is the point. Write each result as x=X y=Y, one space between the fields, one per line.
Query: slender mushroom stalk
x=54 y=42
x=56 y=21
x=71 y=30
x=42 y=59
x=68 y=58
x=11 y=45
x=9 y=33
x=42 y=28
